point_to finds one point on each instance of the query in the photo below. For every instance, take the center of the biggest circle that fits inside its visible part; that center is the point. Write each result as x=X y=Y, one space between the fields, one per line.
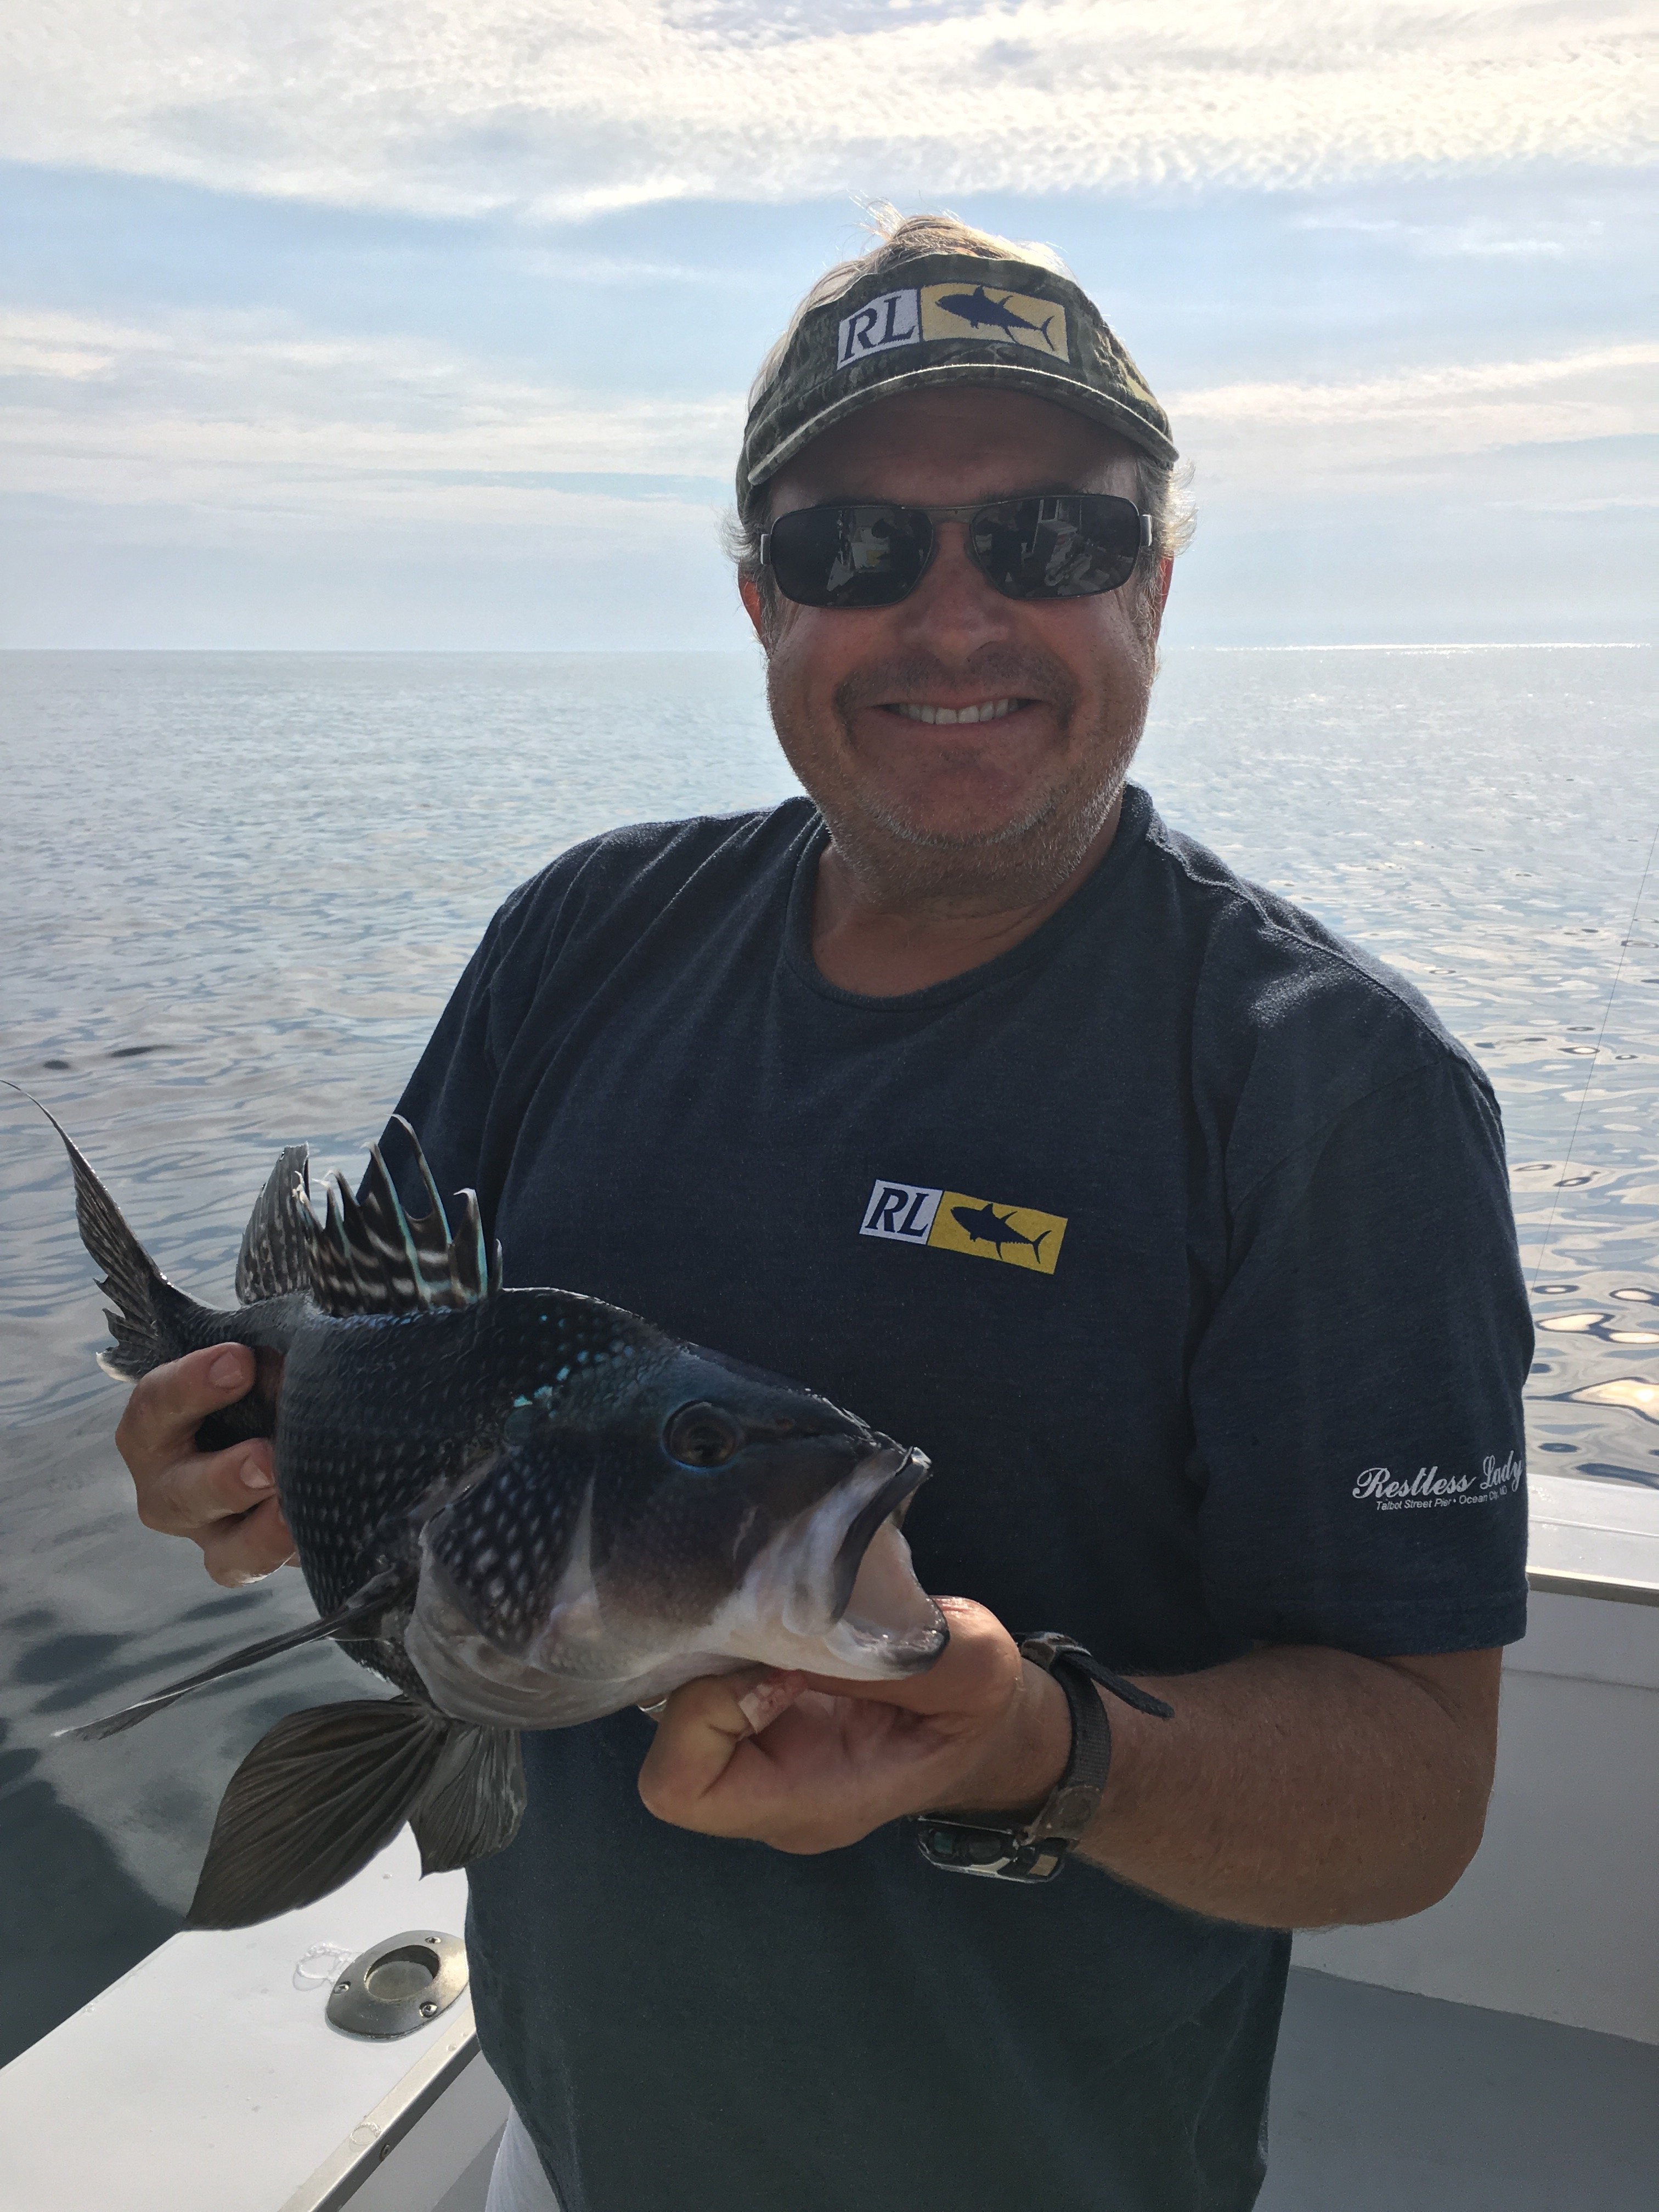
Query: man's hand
x=224 y=1501
x=1297 y=1787
x=807 y=1763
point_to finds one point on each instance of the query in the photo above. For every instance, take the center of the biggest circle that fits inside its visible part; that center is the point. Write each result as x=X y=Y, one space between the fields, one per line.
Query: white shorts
x=517 y=2183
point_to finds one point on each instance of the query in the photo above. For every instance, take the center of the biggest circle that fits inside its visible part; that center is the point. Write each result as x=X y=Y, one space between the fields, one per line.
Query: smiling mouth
x=987 y=710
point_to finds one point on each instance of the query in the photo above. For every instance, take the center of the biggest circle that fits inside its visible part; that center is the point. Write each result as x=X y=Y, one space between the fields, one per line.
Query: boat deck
x=1384 y=2101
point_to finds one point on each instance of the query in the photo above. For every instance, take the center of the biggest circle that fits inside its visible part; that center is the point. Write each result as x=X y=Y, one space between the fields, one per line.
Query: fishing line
x=1596 y=1059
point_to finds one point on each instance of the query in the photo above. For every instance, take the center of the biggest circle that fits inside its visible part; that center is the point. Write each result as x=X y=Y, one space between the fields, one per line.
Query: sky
x=371 y=326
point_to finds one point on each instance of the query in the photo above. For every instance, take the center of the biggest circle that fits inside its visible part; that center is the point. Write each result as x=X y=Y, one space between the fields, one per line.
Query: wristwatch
x=960 y=1843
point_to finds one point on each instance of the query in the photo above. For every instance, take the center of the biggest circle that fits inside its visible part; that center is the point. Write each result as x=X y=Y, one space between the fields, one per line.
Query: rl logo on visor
x=924 y=314
x=950 y=1221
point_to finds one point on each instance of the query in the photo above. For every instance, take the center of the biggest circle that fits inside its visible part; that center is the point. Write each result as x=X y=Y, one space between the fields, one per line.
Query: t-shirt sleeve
x=447 y=1097
x=1356 y=1395
x=452 y=1101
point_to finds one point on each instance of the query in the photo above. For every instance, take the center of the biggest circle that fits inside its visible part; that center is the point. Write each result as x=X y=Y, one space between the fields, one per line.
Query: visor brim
x=1060 y=391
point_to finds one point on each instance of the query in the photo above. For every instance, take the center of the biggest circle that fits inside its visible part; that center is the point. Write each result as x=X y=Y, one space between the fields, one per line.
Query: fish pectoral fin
x=359 y=1613
x=312 y=1804
x=474 y=1802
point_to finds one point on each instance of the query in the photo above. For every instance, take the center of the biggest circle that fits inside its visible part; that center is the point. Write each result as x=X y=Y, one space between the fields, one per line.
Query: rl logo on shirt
x=950 y=1221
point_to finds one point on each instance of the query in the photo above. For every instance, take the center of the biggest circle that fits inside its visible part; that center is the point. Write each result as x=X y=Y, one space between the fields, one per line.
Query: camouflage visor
x=947 y=318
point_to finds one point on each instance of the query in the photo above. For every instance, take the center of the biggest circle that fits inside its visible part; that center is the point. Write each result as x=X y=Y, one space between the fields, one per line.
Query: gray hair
x=1161 y=488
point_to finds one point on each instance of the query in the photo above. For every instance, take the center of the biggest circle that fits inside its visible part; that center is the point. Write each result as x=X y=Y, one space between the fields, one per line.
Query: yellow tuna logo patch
x=950 y=1221
x=963 y=311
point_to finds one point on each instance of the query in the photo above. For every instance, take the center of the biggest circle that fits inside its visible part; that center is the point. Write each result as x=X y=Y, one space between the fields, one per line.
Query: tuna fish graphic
x=523 y=1508
x=981 y=311
x=987 y=1227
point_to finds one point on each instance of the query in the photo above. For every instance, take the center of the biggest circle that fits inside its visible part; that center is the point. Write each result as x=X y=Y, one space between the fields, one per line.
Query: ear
x=1159 y=597
x=750 y=592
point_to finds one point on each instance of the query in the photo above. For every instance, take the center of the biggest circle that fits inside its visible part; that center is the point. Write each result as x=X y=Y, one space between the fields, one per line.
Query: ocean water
x=237 y=889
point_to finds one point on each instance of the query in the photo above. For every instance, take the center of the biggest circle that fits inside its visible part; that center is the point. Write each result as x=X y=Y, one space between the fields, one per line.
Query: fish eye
x=702 y=1435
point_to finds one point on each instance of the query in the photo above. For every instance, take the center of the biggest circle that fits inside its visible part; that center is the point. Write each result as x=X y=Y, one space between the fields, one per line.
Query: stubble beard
x=901 y=865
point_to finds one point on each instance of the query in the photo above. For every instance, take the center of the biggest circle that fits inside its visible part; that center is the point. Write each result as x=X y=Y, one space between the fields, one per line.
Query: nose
x=955 y=609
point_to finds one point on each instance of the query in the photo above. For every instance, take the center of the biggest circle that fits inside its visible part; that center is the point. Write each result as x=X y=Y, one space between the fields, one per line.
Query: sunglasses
x=871 y=553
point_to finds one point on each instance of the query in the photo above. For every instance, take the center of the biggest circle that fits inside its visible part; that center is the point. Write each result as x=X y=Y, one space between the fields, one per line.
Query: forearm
x=1293 y=1788
x=1302 y=1787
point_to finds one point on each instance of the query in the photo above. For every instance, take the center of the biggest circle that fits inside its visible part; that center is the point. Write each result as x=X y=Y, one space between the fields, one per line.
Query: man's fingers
x=767 y=1699
x=704 y=1723
x=224 y=1501
x=247 y=1550
x=169 y=1404
x=188 y=1498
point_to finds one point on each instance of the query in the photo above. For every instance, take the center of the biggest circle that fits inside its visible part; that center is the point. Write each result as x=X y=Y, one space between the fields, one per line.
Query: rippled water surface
x=238 y=888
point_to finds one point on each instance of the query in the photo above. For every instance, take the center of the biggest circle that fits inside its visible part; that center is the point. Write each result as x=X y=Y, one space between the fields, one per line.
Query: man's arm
x=1302 y=1787
x=1296 y=1787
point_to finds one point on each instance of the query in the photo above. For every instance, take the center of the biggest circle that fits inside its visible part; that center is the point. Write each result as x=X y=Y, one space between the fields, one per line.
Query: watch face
x=959 y=1849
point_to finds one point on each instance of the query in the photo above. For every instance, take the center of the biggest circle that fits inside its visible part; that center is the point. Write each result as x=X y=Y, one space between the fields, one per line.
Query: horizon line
x=712 y=651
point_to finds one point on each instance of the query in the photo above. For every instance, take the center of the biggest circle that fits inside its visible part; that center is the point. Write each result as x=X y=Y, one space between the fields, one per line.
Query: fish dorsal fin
x=278 y=1243
x=369 y=1256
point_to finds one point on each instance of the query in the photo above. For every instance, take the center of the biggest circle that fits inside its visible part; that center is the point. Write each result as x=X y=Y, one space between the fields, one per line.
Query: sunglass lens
x=849 y=556
x=1064 y=546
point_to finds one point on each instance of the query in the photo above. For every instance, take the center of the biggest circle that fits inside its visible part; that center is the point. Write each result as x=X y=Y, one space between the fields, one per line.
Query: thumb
x=974 y=1676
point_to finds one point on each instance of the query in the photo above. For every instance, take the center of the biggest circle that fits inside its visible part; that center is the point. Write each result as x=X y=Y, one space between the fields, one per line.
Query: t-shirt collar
x=1096 y=889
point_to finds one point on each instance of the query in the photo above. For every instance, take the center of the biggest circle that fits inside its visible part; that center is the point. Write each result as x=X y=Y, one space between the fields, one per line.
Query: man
x=1173 y=1229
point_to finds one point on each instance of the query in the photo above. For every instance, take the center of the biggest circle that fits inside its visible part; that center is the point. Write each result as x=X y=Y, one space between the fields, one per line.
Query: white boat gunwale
x=342 y=2174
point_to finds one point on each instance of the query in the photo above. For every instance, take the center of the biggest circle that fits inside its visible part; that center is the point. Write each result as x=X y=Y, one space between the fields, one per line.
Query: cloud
x=227 y=413
x=1479 y=239
x=250 y=424
x=580 y=106
x=1357 y=427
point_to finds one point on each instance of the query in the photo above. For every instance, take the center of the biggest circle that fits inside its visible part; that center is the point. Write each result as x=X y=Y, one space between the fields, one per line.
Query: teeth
x=988 y=710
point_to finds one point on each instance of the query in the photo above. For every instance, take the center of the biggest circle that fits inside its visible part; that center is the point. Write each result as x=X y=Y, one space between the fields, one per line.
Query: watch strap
x=1037 y=1850
x=1044 y=1649
x=1071 y=1802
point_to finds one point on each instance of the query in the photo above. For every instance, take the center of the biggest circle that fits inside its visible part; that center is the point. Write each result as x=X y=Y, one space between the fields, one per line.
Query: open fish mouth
x=854 y=1603
x=896 y=1476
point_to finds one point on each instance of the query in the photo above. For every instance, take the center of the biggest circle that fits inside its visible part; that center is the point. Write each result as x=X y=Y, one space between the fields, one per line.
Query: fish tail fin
x=152 y=1321
x=1037 y=1242
x=323 y=1791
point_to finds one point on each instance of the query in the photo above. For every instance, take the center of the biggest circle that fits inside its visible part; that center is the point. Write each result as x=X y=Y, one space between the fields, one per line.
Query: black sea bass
x=523 y=1508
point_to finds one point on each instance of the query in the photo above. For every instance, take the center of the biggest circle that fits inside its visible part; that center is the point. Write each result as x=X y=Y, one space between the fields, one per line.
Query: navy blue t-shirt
x=1179 y=1237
